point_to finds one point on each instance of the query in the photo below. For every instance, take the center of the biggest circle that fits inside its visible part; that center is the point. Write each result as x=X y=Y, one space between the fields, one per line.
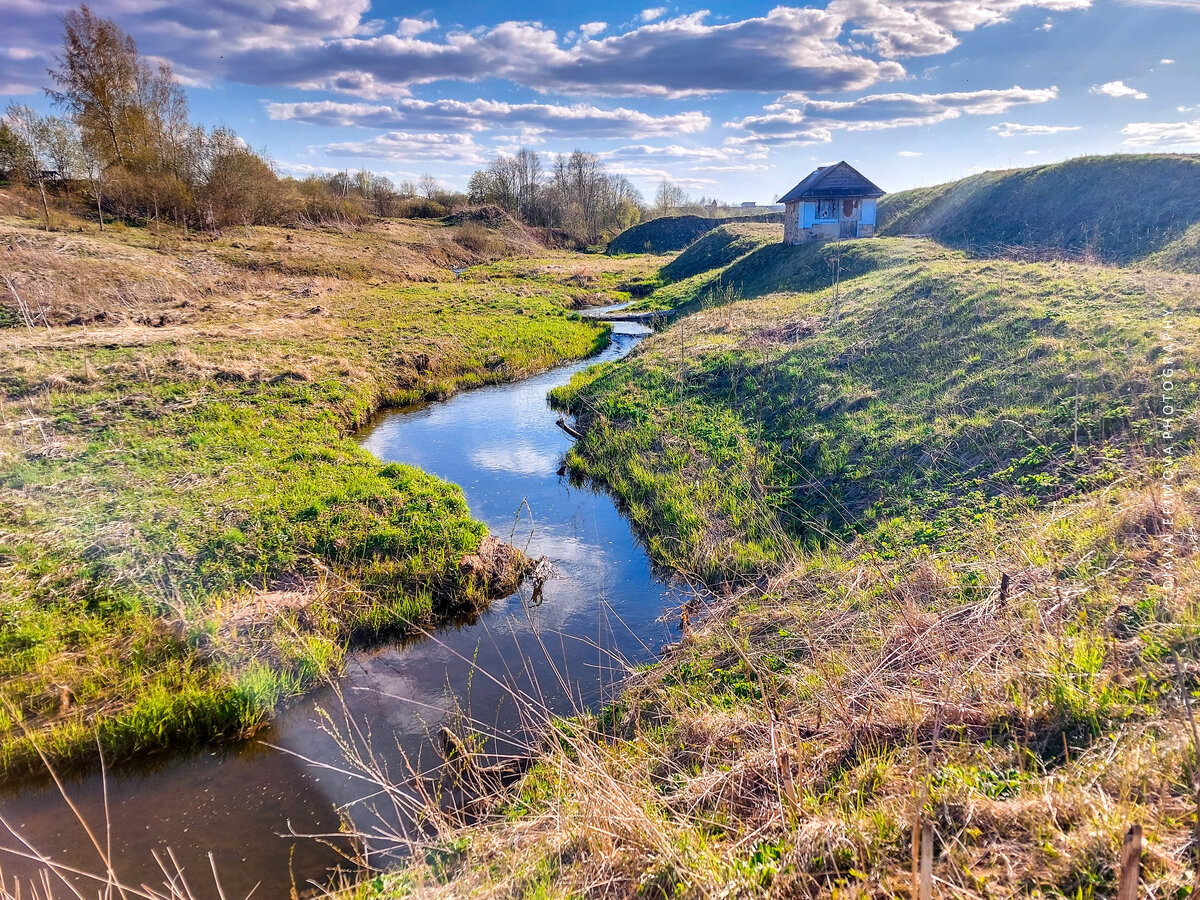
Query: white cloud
x=1189 y=5
x=841 y=45
x=743 y=167
x=671 y=151
x=1048 y=25
x=1117 y=89
x=574 y=120
x=670 y=58
x=909 y=153
x=653 y=175
x=1166 y=62
x=794 y=118
x=413 y=27
x=901 y=28
x=1162 y=134
x=401 y=145
x=1013 y=129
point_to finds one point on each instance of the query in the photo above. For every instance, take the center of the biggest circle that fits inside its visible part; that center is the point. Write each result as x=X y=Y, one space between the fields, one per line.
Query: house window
x=827 y=209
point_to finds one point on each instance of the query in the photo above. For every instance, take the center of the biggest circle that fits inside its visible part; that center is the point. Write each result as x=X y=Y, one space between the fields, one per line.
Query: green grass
x=1117 y=209
x=669 y=234
x=933 y=513
x=939 y=392
x=191 y=533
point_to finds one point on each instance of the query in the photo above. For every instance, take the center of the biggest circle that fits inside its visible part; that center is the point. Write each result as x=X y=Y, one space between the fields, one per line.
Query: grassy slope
x=885 y=461
x=668 y=234
x=189 y=530
x=1113 y=208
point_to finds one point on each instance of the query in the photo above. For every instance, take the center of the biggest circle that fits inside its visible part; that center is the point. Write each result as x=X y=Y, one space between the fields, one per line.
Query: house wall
x=800 y=222
x=791 y=223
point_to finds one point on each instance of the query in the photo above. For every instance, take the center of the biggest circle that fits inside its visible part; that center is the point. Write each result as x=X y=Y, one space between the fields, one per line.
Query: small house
x=833 y=202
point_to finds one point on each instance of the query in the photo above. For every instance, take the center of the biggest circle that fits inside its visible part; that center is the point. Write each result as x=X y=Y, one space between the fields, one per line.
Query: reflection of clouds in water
x=520 y=459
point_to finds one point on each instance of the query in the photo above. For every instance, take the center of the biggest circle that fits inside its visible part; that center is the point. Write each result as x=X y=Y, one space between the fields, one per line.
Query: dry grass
x=788 y=746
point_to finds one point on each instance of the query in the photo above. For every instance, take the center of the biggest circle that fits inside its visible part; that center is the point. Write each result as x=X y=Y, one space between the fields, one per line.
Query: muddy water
x=246 y=805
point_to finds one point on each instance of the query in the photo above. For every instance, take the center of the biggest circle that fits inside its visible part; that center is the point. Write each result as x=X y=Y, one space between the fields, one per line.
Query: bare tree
x=32 y=160
x=669 y=197
x=427 y=186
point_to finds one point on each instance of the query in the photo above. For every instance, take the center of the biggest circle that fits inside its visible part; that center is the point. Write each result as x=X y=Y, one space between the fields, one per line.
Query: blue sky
x=734 y=100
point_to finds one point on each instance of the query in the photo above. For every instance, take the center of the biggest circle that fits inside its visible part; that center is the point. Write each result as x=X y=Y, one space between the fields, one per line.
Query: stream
x=253 y=806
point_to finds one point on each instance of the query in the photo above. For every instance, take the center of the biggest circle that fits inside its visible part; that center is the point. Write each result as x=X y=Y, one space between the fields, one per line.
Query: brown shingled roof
x=838 y=180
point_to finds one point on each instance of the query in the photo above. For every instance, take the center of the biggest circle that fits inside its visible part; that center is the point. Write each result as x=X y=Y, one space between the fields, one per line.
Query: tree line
x=125 y=140
x=124 y=145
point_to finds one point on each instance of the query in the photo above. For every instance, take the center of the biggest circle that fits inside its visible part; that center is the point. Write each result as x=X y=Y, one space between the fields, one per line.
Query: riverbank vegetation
x=190 y=533
x=950 y=526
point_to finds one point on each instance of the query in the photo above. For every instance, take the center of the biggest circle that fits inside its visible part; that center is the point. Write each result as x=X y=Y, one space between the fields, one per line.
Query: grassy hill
x=1118 y=209
x=949 y=582
x=667 y=234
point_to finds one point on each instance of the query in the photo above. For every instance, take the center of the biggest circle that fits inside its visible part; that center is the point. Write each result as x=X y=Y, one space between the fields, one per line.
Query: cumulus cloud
x=413 y=27
x=1162 y=134
x=795 y=118
x=402 y=145
x=671 y=58
x=577 y=120
x=671 y=151
x=192 y=36
x=649 y=174
x=846 y=45
x=1013 y=129
x=1117 y=89
x=901 y=28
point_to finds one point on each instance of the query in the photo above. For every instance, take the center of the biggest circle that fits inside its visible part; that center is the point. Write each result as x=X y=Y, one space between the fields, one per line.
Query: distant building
x=749 y=204
x=834 y=201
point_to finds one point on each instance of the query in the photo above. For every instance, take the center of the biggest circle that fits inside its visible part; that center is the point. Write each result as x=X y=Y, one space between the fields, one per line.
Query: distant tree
x=241 y=187
x=427 y=186
x=132 y=117
x=98 y=80
x=11 y=150
x=669 y=197
x=31 y=143
x=63 y=146
x=382 y=192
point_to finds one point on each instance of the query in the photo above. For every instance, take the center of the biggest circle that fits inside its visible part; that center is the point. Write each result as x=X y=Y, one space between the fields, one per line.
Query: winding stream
x=245 y=804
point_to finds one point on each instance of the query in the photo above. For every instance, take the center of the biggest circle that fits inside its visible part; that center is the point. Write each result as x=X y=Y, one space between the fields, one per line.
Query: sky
x=735 y=100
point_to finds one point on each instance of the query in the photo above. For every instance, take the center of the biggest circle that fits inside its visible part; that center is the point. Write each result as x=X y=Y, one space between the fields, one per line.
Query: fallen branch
x=573 y=432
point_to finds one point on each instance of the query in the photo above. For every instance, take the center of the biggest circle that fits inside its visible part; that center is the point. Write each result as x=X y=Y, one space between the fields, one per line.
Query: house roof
x=838 y=180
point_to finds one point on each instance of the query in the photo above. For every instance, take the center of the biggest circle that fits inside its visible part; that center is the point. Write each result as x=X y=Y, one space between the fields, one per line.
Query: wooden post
x=926 y=886
x=1131 y=864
